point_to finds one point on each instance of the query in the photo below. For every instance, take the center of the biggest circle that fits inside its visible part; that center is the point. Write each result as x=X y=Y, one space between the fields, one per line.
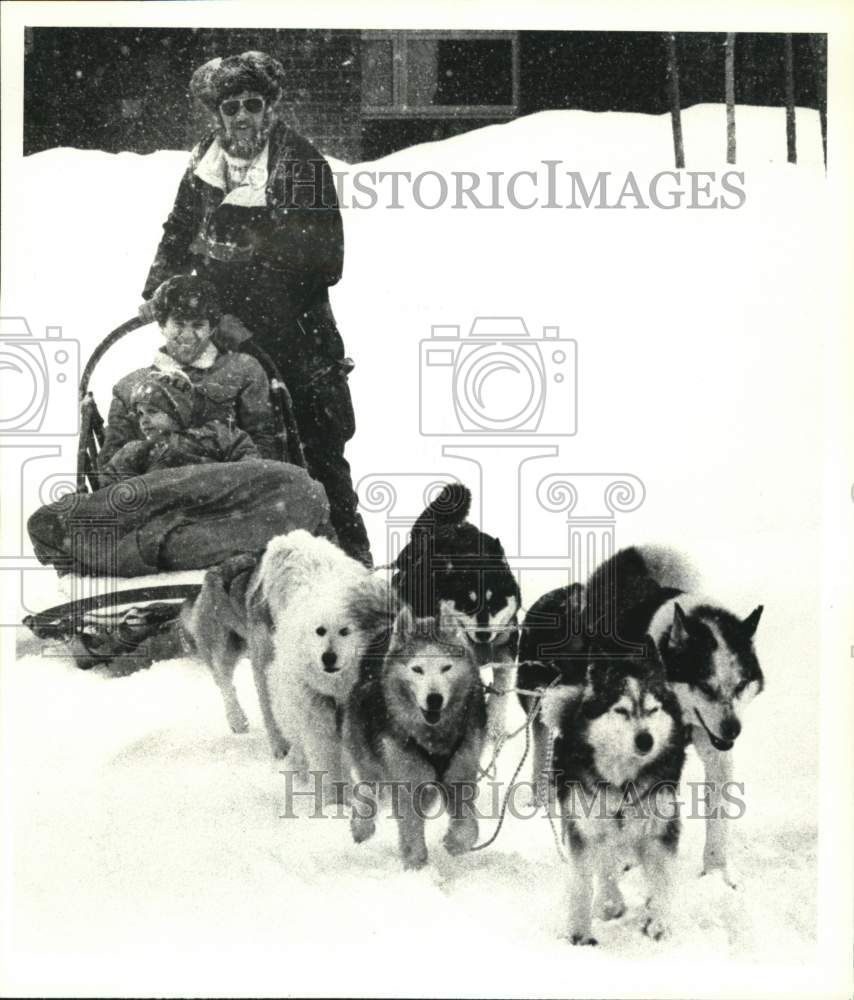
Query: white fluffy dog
x=328 y=613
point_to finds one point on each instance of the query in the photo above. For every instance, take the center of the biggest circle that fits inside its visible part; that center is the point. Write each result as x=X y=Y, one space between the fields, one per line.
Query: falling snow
x=145 y=840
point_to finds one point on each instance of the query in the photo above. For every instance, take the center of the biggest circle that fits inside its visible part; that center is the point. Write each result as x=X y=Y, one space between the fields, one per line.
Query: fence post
x=675 y=110
x=791 y=135
x=729 y=80
x=818 y=43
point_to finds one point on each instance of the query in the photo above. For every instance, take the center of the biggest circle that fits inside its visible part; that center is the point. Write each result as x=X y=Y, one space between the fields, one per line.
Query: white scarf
x=164 y=362
x=218 y=168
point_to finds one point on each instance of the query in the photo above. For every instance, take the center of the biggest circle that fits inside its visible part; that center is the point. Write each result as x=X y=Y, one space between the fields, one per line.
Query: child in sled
x=164 y=406
x=187 y=474
x=230 y=387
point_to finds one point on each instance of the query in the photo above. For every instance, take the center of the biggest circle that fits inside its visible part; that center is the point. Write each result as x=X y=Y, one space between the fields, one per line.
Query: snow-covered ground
x=144 y=849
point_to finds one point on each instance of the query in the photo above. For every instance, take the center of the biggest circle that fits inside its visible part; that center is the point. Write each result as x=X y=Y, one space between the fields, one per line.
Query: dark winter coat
x=214 y=442
x=271 y=264
x=272 y=259
x=233 y=391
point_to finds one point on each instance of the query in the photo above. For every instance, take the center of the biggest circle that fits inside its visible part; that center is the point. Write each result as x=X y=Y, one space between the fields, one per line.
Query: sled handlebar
x=127 y=327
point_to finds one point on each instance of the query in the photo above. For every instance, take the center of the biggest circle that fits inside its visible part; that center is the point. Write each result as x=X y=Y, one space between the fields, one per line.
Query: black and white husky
x=618 y=753
x=707 y=652
x=449 y=566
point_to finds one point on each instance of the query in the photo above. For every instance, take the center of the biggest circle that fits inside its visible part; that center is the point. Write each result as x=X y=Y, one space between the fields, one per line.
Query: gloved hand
x=146 y=312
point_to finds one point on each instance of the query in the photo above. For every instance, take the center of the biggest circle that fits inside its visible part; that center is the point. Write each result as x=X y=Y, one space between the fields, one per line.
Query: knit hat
x=186 y=297
x=170 y=393
x=253 y=71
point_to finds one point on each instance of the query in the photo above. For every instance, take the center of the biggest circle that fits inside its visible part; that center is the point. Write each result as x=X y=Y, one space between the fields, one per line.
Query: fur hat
x=220 y=78
x=185 y=296
x=171 y=393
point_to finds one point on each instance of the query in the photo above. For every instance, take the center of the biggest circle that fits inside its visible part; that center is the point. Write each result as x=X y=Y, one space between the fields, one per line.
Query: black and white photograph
x=426 y=438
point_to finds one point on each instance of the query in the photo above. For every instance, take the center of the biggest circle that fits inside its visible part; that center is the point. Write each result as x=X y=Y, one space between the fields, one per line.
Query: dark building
x=362 y=94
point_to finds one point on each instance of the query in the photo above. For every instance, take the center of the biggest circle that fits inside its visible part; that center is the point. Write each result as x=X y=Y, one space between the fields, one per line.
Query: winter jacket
x=213 y=442
x=233 y=390
x=271 y=251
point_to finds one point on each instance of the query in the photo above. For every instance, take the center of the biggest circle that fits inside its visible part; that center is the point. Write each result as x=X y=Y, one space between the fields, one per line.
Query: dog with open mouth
x=419 y=720
x=450 y=566
x=707 y=651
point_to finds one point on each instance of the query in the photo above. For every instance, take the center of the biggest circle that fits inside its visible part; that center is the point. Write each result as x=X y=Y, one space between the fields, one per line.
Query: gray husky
x=618 y=751
x=419 y=722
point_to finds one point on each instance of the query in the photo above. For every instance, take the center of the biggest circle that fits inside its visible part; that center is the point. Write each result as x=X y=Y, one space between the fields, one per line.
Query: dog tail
x=642 y=566
x=666 y=566
x=451 y=506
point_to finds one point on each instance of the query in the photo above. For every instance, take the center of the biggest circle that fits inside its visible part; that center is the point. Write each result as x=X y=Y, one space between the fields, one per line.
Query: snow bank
x=140 y=830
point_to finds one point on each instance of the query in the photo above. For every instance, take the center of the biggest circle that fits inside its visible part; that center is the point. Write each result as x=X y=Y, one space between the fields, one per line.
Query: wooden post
x=729 y=80
x=675 y=109
x=818 y=43
x=791 y=135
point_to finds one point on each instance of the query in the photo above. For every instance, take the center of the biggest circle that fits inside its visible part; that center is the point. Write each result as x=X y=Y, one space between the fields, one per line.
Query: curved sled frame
x=68 y=621
x=289 y=445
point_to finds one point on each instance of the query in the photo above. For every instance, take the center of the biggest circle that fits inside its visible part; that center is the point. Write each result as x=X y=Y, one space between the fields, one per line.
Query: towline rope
x=538 y=696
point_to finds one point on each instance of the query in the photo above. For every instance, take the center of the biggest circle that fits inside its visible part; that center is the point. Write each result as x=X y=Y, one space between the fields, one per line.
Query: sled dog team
x=373 y=680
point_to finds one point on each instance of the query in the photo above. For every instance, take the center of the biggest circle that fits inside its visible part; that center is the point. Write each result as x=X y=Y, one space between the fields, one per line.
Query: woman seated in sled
x=189 y=481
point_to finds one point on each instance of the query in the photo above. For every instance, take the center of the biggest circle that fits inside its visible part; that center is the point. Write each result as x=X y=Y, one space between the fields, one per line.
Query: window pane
x=377 y=72
x=459 y=71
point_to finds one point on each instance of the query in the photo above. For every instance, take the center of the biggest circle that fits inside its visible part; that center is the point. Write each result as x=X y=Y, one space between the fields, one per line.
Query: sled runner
x=117 y=614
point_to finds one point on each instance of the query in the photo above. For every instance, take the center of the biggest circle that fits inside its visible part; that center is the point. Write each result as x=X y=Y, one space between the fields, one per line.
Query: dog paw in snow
x=655 y=927
x=728 y=875
x=461 y=836
x=582 y=939
x=362 y=828
x=237 y=720
x=414 y=857
x=611 y=908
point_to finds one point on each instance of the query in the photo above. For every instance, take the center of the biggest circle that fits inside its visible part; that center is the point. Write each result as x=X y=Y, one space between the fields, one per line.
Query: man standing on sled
x=257 y=215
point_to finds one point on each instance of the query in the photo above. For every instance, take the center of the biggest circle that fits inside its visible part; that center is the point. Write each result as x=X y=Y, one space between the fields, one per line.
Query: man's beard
x=250 y=144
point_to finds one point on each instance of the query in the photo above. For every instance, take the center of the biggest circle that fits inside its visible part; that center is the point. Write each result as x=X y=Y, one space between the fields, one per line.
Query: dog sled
x=106 y=619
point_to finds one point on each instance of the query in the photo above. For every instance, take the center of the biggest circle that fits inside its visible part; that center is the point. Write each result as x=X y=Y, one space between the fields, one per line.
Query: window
x=440 y=74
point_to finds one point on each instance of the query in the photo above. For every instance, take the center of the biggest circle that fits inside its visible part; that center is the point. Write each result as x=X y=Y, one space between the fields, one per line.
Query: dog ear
x=451 y=628
x=679 y=632
x=448 y=618
x=752 y=620
x=372 y=605
x=257 y=608
x=404 y=624
x=650 y=651
x=592 y=702
x=556 y=702
x=654 y=664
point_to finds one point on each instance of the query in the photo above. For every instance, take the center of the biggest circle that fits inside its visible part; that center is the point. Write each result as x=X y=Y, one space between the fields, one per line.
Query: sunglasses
x=254 y=105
